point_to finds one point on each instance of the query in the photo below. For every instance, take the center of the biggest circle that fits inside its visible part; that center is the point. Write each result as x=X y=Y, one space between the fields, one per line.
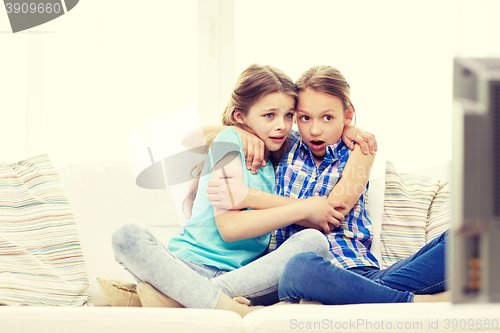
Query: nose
x=315 y=129
x=280 y=124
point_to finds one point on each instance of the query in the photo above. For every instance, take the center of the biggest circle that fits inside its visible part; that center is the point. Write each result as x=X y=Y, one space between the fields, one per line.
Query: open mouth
x=277 y=138
x=317 y=144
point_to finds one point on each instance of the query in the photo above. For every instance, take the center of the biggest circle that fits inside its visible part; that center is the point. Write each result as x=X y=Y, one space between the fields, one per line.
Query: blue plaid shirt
x=298 y=176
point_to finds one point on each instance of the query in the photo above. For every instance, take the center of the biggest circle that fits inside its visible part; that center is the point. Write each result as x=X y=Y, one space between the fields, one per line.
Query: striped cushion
x=416 y=210
x=41 y=261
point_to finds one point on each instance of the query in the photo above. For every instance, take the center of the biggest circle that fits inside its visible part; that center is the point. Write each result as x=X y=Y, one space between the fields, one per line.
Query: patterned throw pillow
x=41 y=261
x=416 y=210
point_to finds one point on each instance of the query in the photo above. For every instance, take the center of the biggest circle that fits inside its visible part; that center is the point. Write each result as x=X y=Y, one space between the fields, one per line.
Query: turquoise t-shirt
x=201 y=241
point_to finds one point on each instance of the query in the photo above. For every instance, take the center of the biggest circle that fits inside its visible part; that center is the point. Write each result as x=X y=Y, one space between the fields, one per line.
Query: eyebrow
x=321 y=112
x=275 y=109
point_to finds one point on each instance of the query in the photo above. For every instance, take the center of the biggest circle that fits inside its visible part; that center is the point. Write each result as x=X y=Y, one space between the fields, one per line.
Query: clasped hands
x=230 y=192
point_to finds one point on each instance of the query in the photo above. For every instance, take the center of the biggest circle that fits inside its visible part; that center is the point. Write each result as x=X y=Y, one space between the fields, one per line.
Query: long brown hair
x=254 y=82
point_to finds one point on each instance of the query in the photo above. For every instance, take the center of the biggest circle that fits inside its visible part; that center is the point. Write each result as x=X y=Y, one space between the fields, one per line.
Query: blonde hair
x=253 y=83
x=328 y=80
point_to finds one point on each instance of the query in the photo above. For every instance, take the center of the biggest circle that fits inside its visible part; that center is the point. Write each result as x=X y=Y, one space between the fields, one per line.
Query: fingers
x=363 y=145
x=258 y=156
x=372 y=143
x=348 y=142
x=330 y=225
x=337 y=204
x=254 y=153
x=334 y=223
x=368 y=140
x=339 y=216
x=326 y=227
x=244 y=146
x=257 y=161
x=250 y=155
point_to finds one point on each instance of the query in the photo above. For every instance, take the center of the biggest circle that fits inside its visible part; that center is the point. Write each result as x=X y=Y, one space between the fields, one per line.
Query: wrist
x=251 y=199
x=303 y=210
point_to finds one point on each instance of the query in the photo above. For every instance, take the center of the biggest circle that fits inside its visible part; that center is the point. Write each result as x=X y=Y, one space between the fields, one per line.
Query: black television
x=474 y=247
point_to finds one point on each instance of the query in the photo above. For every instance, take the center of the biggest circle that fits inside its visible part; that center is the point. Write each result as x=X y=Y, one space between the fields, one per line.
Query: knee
x=298 y=267
x=296 y=275
x=125 y=238
x=314 y=241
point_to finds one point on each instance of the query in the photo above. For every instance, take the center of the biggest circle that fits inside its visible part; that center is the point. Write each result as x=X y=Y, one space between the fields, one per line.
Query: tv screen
x=474 y=251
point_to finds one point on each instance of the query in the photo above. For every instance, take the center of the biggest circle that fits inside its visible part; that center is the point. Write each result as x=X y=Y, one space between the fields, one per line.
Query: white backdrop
x=76 y=87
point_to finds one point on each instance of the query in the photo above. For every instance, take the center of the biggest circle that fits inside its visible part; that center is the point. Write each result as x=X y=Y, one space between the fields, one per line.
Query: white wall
x=396 y=55
x=77 y=87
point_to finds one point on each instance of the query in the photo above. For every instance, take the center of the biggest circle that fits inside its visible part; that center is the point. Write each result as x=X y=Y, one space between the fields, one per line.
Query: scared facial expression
x=321 y=119
x=271 y=118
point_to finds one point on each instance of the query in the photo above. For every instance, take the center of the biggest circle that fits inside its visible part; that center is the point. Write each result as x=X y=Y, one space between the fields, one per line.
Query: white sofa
x=104 y=197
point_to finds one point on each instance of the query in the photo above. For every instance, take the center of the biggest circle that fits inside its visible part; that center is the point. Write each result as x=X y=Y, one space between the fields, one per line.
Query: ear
x=238 y=116
x=349 y=115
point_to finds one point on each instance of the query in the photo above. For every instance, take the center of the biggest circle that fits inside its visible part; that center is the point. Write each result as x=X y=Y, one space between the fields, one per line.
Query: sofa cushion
x=107 y=319
x=386 y=318
x=40 y=255
x=417 y=208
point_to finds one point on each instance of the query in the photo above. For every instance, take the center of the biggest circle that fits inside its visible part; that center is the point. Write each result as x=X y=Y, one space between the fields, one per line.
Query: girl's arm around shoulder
x=354 y=179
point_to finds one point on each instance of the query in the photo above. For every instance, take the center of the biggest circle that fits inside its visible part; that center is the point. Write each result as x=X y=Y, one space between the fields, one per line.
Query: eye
x=327 y=117
x=269 y=115
x=289 y=115
x=304 y=118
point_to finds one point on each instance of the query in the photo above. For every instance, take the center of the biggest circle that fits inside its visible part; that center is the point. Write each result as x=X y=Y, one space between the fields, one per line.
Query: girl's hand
x=365 y=140
x=321 y=212
x=227 y=192
x=254 y=150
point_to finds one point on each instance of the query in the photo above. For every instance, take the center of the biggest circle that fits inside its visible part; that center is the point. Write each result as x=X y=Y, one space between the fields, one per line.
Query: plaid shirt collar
x=333 y=152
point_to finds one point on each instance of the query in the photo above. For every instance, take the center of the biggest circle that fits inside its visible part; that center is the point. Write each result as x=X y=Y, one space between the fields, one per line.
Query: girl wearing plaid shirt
x=219 y=254
x=318 y=163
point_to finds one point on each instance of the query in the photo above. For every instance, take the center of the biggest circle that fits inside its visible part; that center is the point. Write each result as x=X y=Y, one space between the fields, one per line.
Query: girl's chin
x=319 y=155
x=272 y=149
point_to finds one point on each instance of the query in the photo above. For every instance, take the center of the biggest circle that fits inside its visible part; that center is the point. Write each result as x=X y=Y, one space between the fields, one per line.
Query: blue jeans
x=195 y=285
x=312 y=278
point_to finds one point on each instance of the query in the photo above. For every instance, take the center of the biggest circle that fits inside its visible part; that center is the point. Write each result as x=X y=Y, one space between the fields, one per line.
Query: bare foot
x=439 y=297
x=227 y=303
x=242 y=300
x=152 y=298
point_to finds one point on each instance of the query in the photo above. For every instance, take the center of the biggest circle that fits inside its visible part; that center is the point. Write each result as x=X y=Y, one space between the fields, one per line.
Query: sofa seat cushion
x=101 y=319
x=393 y=318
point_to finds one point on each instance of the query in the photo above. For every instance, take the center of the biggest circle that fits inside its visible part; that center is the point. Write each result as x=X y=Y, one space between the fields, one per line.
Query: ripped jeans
x=312 y=278
x=195 y=285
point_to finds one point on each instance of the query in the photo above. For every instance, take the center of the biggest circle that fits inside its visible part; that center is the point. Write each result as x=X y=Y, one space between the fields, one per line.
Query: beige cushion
x=119 y=292
x=416 y=210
